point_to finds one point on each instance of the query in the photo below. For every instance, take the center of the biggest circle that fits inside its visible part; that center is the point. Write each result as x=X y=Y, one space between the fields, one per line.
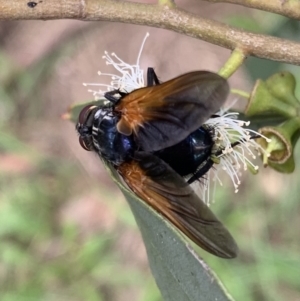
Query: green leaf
x=179 y=273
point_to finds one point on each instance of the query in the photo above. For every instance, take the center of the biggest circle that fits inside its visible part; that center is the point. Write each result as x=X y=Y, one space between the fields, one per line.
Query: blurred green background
x=66 y=233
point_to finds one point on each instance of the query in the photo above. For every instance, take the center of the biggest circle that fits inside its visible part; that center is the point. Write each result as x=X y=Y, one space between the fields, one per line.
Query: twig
x=288 y=8
x=157 y=16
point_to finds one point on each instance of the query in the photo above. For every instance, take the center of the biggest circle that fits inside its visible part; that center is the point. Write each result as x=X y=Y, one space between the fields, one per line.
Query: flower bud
x=280 y=145
x=263 y=102
x=282 y=85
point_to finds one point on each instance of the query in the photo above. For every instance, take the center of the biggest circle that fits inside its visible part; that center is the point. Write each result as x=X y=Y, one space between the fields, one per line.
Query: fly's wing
x=163 y=115
x=165 y=191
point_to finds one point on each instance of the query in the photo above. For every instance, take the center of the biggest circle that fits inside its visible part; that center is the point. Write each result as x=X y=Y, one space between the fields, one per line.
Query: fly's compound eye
x=84 y=126
x=84 y=115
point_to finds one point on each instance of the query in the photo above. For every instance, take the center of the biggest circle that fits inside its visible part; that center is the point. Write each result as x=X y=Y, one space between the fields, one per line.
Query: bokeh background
x=66 y=232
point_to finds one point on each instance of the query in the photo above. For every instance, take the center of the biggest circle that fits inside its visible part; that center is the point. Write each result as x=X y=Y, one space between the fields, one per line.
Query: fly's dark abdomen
x=186 y=156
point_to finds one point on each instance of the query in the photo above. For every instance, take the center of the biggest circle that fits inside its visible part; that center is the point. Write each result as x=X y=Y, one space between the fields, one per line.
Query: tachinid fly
x=154 y=136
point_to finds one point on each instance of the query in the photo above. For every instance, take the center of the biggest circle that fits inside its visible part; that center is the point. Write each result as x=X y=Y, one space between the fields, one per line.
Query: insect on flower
x=156 y=135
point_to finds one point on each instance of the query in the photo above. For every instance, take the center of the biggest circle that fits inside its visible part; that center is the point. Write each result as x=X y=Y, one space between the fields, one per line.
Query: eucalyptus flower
x=233 y=151
x=129 y=78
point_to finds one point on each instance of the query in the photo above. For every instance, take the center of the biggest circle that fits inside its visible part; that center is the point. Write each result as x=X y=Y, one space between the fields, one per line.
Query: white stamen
x=141 y=49
x=130 y=77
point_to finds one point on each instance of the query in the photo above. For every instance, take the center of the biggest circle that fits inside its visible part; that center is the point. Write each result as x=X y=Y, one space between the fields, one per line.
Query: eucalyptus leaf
x=179 y=273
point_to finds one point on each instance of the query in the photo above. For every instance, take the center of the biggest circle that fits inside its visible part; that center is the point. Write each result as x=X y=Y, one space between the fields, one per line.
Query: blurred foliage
x=270 y=24
x=44 y=256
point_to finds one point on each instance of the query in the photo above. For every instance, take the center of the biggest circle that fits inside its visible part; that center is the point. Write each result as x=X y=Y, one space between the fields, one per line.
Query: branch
x=287 y=8
x=159 y=16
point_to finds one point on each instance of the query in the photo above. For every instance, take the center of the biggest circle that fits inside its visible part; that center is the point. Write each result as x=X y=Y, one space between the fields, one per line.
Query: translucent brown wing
x=163 y=115
x=165 y=191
